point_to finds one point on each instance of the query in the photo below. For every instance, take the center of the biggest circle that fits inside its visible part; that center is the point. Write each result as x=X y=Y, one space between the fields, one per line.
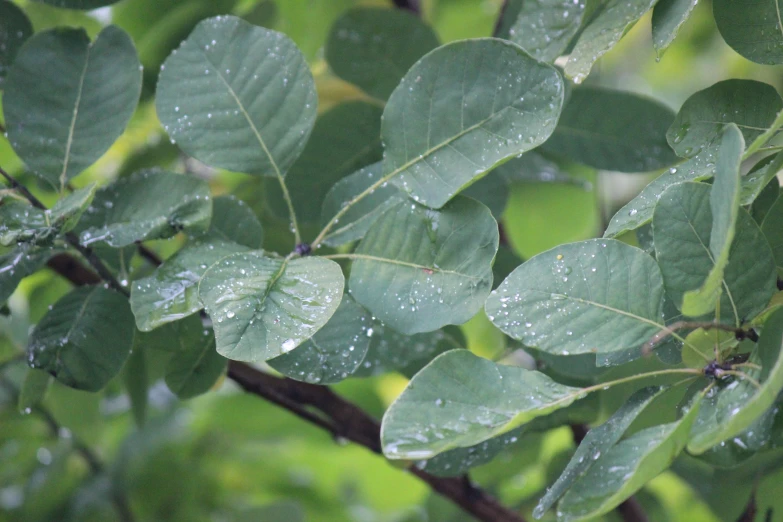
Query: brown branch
x=150 y=255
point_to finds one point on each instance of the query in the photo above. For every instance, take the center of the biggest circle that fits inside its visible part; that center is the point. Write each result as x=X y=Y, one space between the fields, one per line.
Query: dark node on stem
x=753 y=335
x=780 y=284
x=740 y=335
x=303 y=249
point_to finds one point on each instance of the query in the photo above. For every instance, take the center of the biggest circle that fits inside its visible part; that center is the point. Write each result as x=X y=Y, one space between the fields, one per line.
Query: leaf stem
x=764 y=137
x=291 y=212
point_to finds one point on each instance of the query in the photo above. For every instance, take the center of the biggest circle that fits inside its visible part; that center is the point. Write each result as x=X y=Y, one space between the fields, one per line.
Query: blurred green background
x=229 y=456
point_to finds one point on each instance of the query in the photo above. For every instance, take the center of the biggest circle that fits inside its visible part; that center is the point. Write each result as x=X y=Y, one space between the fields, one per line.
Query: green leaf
x=34 y=388
x=625 y=468
x=682 y=228
x=463 y=109
x=752 y=105
x=365 y=47
x=459 y=400
x=334 y=352
x=238 y=97
x=85 y=338
x=194 y=370
x=608 y=23
x=544 y=28
x=20 y=263
x=753 y=28
x=135 y=378
x=418 y=269
x=701 y=346
x=639 y=211
x=532 y=167
x=15 y=28
x=355 y=223
x=492 y=190
x=78 y=4
x=345 y=139
x=613 y=130
x=67 y=100
x=233 y=220
x=391 y=351
x=759 y=177
x=597 y=441
x=148 y=205
x=23 y=223
x=667 y=18
x=262 y=306
x=595 y=296
x=724 y=204
x=171 y=292
x=772 y=227
x=734 y=407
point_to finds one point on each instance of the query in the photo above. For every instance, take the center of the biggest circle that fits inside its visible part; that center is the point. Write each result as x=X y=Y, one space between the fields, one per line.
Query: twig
x=679 y=325
x=151 y=256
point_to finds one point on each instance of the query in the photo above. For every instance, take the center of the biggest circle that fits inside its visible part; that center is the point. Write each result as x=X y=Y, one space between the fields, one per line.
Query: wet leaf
x=233 y=220
x=195 y=369
x=752 y=28
x=20 y=263
x=544 y=28
x=667 y=19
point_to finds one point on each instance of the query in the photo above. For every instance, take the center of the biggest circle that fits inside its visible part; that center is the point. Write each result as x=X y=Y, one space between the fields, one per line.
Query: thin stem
x=679 y=325
x=741 y=375
x=752 y=366
x=34 y=201
x=291 y=212
x=755 y=146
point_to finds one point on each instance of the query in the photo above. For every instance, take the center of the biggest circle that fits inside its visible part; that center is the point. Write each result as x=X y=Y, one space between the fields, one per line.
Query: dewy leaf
x=233 y=220
x=67 y=100
x=355 y=223
x=84 y=339
x=772 y=227
x=171 y=292
x=544 y=28
x=262 y=306
x=460 y=399
x=463 y=109
x=753 y=28
x=20 y=263
x=147 y=205
x=597 y=441
x=752 y=105
x=23 y=223
x=606 y=27
x=418 y=269
x=194 y=370
x=732 y=408
x=625 y=468
x=334 y=352
x=595 y=296
x=667 y=18
x=613 y=130
x=724 y=204
x=15 y=28
x=365 y=47
x=639 y=210
x=238 y=97
x=682 y=228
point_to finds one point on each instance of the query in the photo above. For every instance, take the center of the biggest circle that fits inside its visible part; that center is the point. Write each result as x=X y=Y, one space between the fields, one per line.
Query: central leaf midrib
x=405 y=263
x=72 y=126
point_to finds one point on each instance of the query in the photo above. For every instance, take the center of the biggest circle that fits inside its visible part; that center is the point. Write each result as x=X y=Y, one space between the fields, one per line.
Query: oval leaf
x=194 y=370
x=461 y=110
x=238 y=97
x=67 y=100
x=85 y=338
x=262 y=307
x=233 y=220
x=753 y=28
x=595 y=296
x=418 y=269
x=667 y=18
x=460 y=399
x=544 y=28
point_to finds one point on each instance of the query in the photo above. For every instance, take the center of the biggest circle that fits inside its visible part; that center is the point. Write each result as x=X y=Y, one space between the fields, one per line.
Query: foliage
x=384 y=216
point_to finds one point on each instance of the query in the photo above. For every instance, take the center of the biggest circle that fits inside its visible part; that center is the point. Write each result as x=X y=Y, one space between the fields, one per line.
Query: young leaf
x=460 y=399
x=724 y=204
x=752 y=28
x=752 y=105
x=334 y=352
x=233 y=220
x=148 y=205
x=418 y=269
x=34 y=388
x=732 y=408
x=682 y=228
x=355 y=223
x=194 y=370
x=15 y=29
x=171 y=292
x=544 y=28
x=595 y=296
x=625 y=468
x=85 y=338
x=461 y=110
x=613 y=130
x=607 y=25
x=67 y=100
x=667 y=18
x=365 y=47
x=262 y=306
x=20 y=263
x=238 y=97
x=597 y=441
